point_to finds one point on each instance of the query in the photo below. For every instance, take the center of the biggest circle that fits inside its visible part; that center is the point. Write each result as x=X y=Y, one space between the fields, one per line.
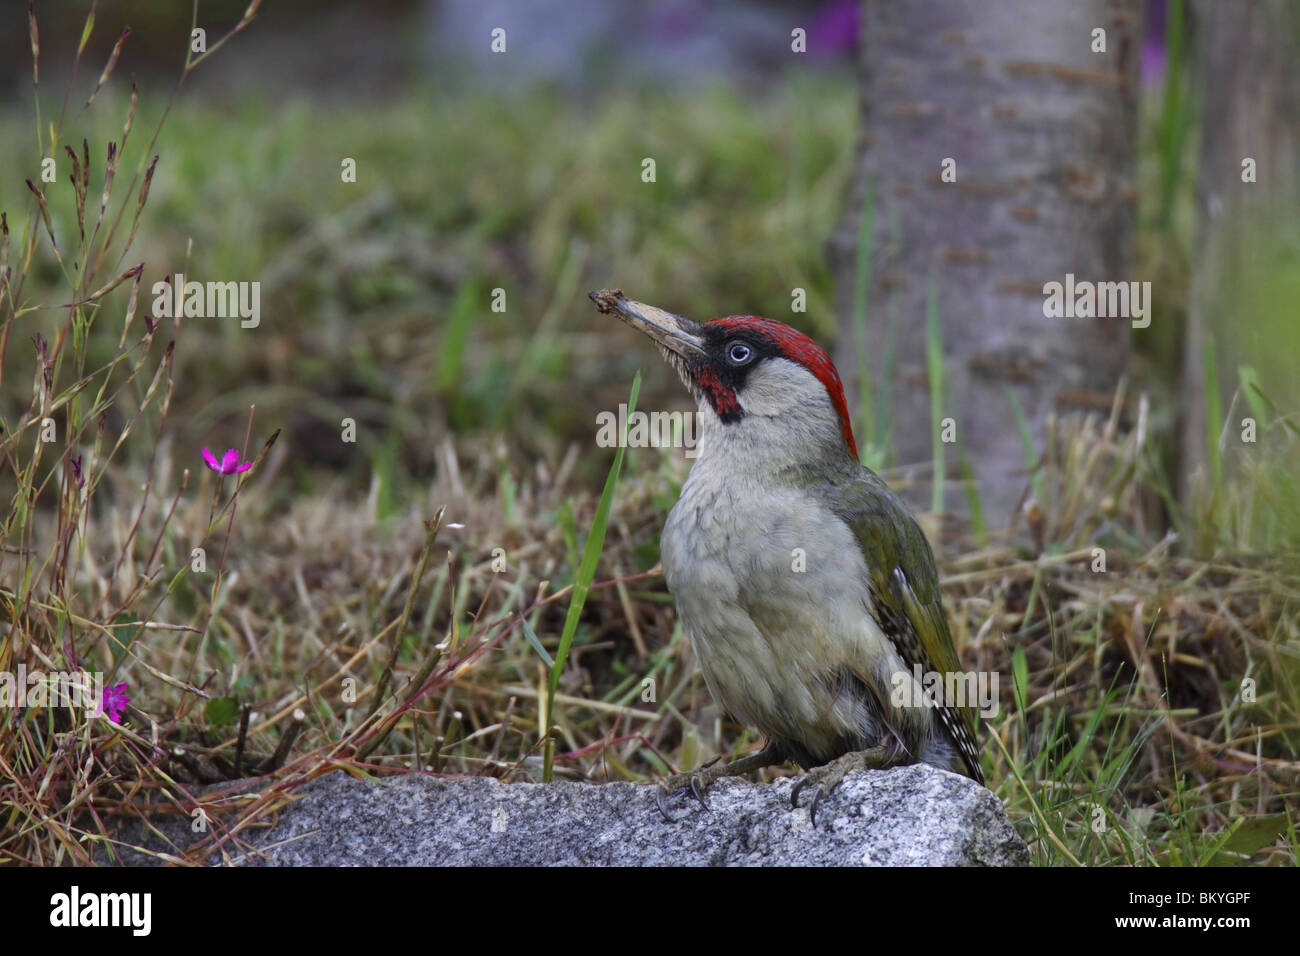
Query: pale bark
x=1043 y=132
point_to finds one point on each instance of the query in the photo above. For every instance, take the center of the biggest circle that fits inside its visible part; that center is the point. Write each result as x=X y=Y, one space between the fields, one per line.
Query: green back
x=905 y=588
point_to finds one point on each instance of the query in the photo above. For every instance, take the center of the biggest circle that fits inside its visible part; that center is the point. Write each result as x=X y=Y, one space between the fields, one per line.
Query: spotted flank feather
x=907 y=603
x=926 y=625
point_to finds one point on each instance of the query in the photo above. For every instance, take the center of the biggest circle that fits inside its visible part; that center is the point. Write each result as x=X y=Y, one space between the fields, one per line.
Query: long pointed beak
x=674 y=332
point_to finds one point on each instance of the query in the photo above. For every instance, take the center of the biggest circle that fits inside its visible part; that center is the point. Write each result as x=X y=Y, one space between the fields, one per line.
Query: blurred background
x=475 y=171
x=521 y=170
x=898 y=180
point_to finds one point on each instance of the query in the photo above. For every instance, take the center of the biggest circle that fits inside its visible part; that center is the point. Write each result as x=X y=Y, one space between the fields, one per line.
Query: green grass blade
x=1175 y=114
x=934 y=367
x=1027 y=444
x=1213 y=413
x=861 y=286
x=536 y=642
x=978 y=524
x=1020 y=679
x=582 y=583
x=1255 y=397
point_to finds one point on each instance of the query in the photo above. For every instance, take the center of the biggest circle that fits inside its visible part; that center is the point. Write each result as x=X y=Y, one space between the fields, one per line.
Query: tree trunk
x=1249 y=56
x=1042 y=131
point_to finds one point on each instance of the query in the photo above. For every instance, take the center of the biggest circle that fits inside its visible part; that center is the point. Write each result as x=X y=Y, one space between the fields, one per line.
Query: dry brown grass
x=1131 y=690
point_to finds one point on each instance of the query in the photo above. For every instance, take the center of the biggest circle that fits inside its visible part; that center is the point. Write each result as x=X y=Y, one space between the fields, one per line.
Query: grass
x=934 y=372
x=1127 y=737
x=455 y=591
x=582 y=586
x=1176 y=114
x=377 y=295
x=874 y=442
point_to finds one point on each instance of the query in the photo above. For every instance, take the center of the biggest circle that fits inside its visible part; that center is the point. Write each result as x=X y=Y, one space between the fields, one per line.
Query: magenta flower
x=229 y=464
x=115 y=700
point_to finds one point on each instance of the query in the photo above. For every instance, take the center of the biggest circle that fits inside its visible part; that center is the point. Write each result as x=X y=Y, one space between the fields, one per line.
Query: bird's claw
x=678 y=782
x=661 y=799
x=818 y=793
x=828 y=776
x=697 y=782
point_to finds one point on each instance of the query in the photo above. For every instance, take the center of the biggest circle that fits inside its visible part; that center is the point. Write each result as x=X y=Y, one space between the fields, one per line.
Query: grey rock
x=906 y=816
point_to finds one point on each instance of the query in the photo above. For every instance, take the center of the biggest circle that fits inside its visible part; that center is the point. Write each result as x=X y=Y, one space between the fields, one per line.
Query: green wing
x=905 y=589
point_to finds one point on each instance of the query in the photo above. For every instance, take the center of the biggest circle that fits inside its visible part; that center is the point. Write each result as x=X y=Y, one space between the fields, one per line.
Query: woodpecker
x=806 y=587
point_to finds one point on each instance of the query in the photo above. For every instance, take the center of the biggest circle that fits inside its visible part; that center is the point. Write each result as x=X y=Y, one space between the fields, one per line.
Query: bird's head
x=748 y=371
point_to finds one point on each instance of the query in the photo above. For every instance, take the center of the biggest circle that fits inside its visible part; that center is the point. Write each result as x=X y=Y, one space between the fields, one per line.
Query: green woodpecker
x=807 y=589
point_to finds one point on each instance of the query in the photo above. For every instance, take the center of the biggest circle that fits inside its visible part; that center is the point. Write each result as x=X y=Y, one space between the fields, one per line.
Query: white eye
x=739 y=353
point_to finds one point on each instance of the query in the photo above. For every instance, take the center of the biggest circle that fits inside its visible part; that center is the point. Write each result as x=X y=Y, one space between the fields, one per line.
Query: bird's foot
x=699 y=781
x=828 y=776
